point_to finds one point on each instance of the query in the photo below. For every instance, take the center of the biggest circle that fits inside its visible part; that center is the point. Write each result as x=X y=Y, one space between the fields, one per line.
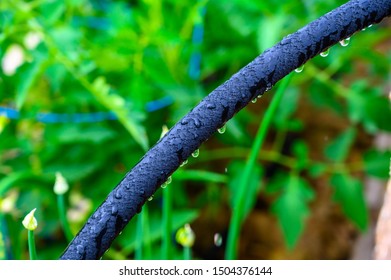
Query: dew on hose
x=325 y=53
x=222 y=129
x=196 y=153
x=344 y=42
x=299 y=69
x=166 y=183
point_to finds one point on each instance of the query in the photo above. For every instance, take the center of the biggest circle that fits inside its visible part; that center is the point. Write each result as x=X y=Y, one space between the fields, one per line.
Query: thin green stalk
x=31 y=242
x=143 y=250
x=187 y=253
x=63 y=217
x=167 y=224
x=238 y=215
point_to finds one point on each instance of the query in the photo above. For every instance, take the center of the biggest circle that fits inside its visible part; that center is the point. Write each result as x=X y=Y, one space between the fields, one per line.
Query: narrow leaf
x=377 y=163
x=349 y=193
x=292 y=210
x=340 y=146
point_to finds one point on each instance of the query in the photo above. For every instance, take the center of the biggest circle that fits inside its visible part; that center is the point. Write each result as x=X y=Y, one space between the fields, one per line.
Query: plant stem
x=143 y=250
x=167 y=224
x=187 y=253
x=237 y=218
x=63 y=217
x=31 y=243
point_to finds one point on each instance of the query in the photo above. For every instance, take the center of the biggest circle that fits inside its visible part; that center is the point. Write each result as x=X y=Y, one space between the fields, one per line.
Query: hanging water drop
x=197 y=123
x=196 y=153
x=254 y=100
x=166 y=183
x=114 y=210
x=218 y=239
x=210 y=106
x=344 y=42
x=118 y=194
x=150 y=198
x=299 y=69
x=222 y=129
x=184 y=163
x=325 y=53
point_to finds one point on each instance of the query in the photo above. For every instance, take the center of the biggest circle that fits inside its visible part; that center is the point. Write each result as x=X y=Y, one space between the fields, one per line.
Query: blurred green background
x=86 y=87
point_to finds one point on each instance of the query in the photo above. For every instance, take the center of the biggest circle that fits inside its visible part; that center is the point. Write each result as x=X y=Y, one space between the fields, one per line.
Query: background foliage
x=86 y=86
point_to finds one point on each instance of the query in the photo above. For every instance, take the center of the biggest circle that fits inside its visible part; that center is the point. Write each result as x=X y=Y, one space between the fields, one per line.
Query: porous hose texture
x=127 y=199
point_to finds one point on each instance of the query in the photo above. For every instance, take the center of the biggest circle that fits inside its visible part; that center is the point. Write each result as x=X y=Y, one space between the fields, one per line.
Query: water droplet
x=114 y=210
x=210 y=106
x=369 y=26
x=325 y=53
x=254 y=100
x=259 y=96
x=218 y=239
x=344 y=42
x=222 y=129
x=166 y=183
x=118 y=194
x=226 y=170
x=150 y=198
x=299 y=69
x=184 y=163
x=197 y=123
x=196 y=153
x=185 y=236
x=80 y=249
x=141 y=193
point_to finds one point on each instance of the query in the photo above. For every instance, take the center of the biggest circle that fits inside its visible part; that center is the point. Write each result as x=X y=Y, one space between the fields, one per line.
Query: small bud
x=61 y=185
x=29 y=222
x=185 y=236
x=12 y=59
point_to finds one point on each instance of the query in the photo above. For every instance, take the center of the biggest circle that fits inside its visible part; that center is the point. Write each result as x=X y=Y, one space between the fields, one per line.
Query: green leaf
x=378 y=109
x=269 y=31
x=52 y=10
x=199 y=175
x=377 y=163
x=8 y=181
x=131 y=120
x=349 y=193
x=291 y=208
x=28 y=74
x=339 y=148
x=235 y=176
x=93 y=134
x=365 y=105
x=300 y=150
